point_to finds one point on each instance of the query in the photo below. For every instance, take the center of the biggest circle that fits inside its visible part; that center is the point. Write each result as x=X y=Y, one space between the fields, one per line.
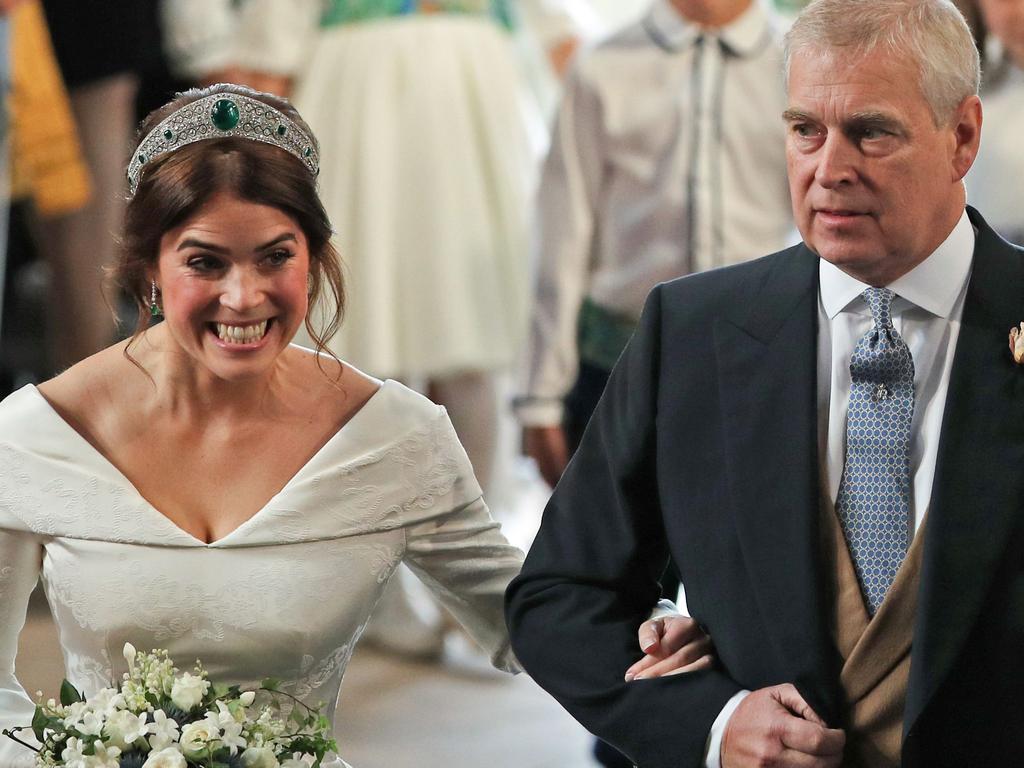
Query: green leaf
x=39 y=723
x=69 y=694
x=271 y=684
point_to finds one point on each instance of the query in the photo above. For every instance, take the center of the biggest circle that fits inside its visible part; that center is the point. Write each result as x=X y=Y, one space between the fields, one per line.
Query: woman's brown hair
x=175 y=186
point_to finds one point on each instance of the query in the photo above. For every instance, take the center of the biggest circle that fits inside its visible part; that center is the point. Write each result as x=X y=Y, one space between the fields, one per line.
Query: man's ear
x=966 y=136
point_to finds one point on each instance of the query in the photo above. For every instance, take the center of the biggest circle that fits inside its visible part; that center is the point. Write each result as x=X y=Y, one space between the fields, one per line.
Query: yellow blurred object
x=46 y=157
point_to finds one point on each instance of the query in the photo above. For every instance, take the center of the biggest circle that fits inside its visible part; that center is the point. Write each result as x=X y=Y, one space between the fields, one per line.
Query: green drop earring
x=154 y=308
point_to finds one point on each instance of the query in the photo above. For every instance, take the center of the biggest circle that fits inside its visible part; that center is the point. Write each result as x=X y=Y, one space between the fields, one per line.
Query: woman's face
x=1005 y=20
x=234 y=285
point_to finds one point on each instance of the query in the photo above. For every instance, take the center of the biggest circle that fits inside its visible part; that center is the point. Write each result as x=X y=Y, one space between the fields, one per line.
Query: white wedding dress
x=285 y=595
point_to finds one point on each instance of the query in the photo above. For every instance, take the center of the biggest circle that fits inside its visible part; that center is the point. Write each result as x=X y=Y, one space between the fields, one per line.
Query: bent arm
x=466 y=562
x=592 y=576
x=20 y=556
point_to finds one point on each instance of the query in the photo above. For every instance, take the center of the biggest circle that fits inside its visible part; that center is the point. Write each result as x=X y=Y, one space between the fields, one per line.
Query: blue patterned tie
x=874 y=495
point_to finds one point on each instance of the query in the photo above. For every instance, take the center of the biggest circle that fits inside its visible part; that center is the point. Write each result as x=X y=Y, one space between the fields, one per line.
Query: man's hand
x=775 y=727
x=673 y=645
x=549 y=448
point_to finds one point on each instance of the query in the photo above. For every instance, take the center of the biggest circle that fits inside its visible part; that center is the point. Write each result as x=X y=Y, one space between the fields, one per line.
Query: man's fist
x=775 y=728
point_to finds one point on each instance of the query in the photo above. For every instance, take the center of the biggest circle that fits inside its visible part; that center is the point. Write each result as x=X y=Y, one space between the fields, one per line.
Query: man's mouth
x=241 y=334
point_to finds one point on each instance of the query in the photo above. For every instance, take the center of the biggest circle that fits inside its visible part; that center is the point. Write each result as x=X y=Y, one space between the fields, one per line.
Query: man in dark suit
x=829 y=443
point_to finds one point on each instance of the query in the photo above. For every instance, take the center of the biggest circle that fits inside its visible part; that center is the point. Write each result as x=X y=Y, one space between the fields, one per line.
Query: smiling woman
x=170 y=187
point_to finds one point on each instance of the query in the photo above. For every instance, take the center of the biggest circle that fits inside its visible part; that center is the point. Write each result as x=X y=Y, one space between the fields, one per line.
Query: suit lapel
x=979 y=483
x=767 y=366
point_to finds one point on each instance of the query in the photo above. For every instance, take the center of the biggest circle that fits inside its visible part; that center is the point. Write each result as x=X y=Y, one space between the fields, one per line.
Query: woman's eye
x=278 y=258
x=204 y=263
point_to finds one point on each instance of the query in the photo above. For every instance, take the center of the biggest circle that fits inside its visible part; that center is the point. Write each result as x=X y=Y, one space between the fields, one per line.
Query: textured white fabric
x=668 y=157
x=424 y=168
x=203 y=36
x=286 y=594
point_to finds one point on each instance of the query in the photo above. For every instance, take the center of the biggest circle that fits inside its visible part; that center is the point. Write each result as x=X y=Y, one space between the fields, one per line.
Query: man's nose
x=836 y=162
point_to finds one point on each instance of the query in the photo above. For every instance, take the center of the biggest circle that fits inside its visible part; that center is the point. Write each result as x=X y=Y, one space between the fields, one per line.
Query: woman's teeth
x=241 y=334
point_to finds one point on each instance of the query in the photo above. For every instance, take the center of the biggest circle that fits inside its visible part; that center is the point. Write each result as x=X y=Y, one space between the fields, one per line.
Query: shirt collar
x=932 y=285
x=743 y=36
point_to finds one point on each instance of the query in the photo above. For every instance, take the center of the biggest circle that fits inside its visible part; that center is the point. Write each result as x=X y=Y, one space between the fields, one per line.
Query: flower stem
x=9 y=733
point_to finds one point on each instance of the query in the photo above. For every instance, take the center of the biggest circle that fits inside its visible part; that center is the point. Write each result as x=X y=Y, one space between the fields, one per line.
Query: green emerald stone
x=225 y=114
x=307 y=152
x=282 y=129
x=142 y=159
x=168 y=134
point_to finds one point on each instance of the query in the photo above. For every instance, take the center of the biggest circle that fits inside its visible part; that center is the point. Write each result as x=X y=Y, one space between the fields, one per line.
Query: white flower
x=195 y=736
x=129 y=654
x=164 y=731
x=107 y=701
x=247 y=698
x=297 y=760
x=224 y=716
x=103 y=757
x=74 y=713
x=165 y=758
x=124 y=727
x=188 y=690
x=259 y=757
x=91 y=723
x=232 y=737
x=72 y=754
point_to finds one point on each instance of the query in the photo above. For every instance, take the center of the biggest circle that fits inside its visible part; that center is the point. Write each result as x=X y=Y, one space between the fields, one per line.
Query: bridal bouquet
x=162 y=718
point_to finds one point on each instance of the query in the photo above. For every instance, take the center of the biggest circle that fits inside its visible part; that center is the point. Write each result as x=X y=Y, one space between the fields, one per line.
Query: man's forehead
x=876 y=83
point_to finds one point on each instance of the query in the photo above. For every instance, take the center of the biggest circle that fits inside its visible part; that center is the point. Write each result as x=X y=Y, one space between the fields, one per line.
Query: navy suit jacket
x=704 y=447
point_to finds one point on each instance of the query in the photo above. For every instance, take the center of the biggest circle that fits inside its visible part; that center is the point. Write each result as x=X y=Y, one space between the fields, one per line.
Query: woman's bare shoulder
x=95 y=384
x=332 y=383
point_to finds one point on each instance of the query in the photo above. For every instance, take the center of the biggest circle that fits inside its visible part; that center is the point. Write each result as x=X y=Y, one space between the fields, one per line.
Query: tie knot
x=880 y=303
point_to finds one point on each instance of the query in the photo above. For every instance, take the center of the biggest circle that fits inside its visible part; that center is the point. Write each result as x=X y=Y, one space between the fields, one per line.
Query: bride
x=209 y=488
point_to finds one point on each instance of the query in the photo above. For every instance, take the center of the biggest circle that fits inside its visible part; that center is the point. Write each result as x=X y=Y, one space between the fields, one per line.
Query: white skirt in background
x=424 y=171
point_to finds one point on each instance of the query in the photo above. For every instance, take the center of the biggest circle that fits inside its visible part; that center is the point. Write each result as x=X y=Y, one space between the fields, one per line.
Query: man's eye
x=805 y=130
x=873 y=134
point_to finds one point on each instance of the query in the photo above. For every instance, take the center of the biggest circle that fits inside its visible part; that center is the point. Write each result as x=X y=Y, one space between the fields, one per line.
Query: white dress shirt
x=667 y=157
x=926 y=313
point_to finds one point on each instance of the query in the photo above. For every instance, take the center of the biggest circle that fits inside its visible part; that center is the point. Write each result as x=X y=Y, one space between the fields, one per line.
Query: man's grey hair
x=932 y=33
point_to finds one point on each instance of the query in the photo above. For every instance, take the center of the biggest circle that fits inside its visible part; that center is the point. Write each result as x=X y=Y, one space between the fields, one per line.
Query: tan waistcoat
x=875 y=651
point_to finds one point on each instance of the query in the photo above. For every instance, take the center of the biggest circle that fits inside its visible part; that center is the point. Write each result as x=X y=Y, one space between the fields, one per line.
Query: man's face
x=875 y=184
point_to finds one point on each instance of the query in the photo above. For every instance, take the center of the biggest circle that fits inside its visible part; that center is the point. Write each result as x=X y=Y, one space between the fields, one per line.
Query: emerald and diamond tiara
x=218 y=116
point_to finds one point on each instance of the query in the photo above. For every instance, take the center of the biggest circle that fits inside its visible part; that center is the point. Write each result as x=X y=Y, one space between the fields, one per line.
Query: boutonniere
x=1017 y=344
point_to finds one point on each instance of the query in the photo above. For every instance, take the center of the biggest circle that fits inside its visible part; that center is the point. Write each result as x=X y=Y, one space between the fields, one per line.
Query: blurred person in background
x=995 y=184
x=102 y=49
x=48 y=174
x=665 y=160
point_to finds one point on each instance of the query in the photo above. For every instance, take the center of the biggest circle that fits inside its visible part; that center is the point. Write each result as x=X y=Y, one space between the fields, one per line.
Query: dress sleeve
x=459 y=552
x=20 y=558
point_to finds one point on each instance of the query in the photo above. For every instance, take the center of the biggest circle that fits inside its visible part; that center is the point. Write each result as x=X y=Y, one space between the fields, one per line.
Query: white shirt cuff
x=712 y=753
x=540 y=412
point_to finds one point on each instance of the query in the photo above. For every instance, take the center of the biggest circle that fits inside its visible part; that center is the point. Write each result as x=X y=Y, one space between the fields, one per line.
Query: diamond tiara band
x=220 y=116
